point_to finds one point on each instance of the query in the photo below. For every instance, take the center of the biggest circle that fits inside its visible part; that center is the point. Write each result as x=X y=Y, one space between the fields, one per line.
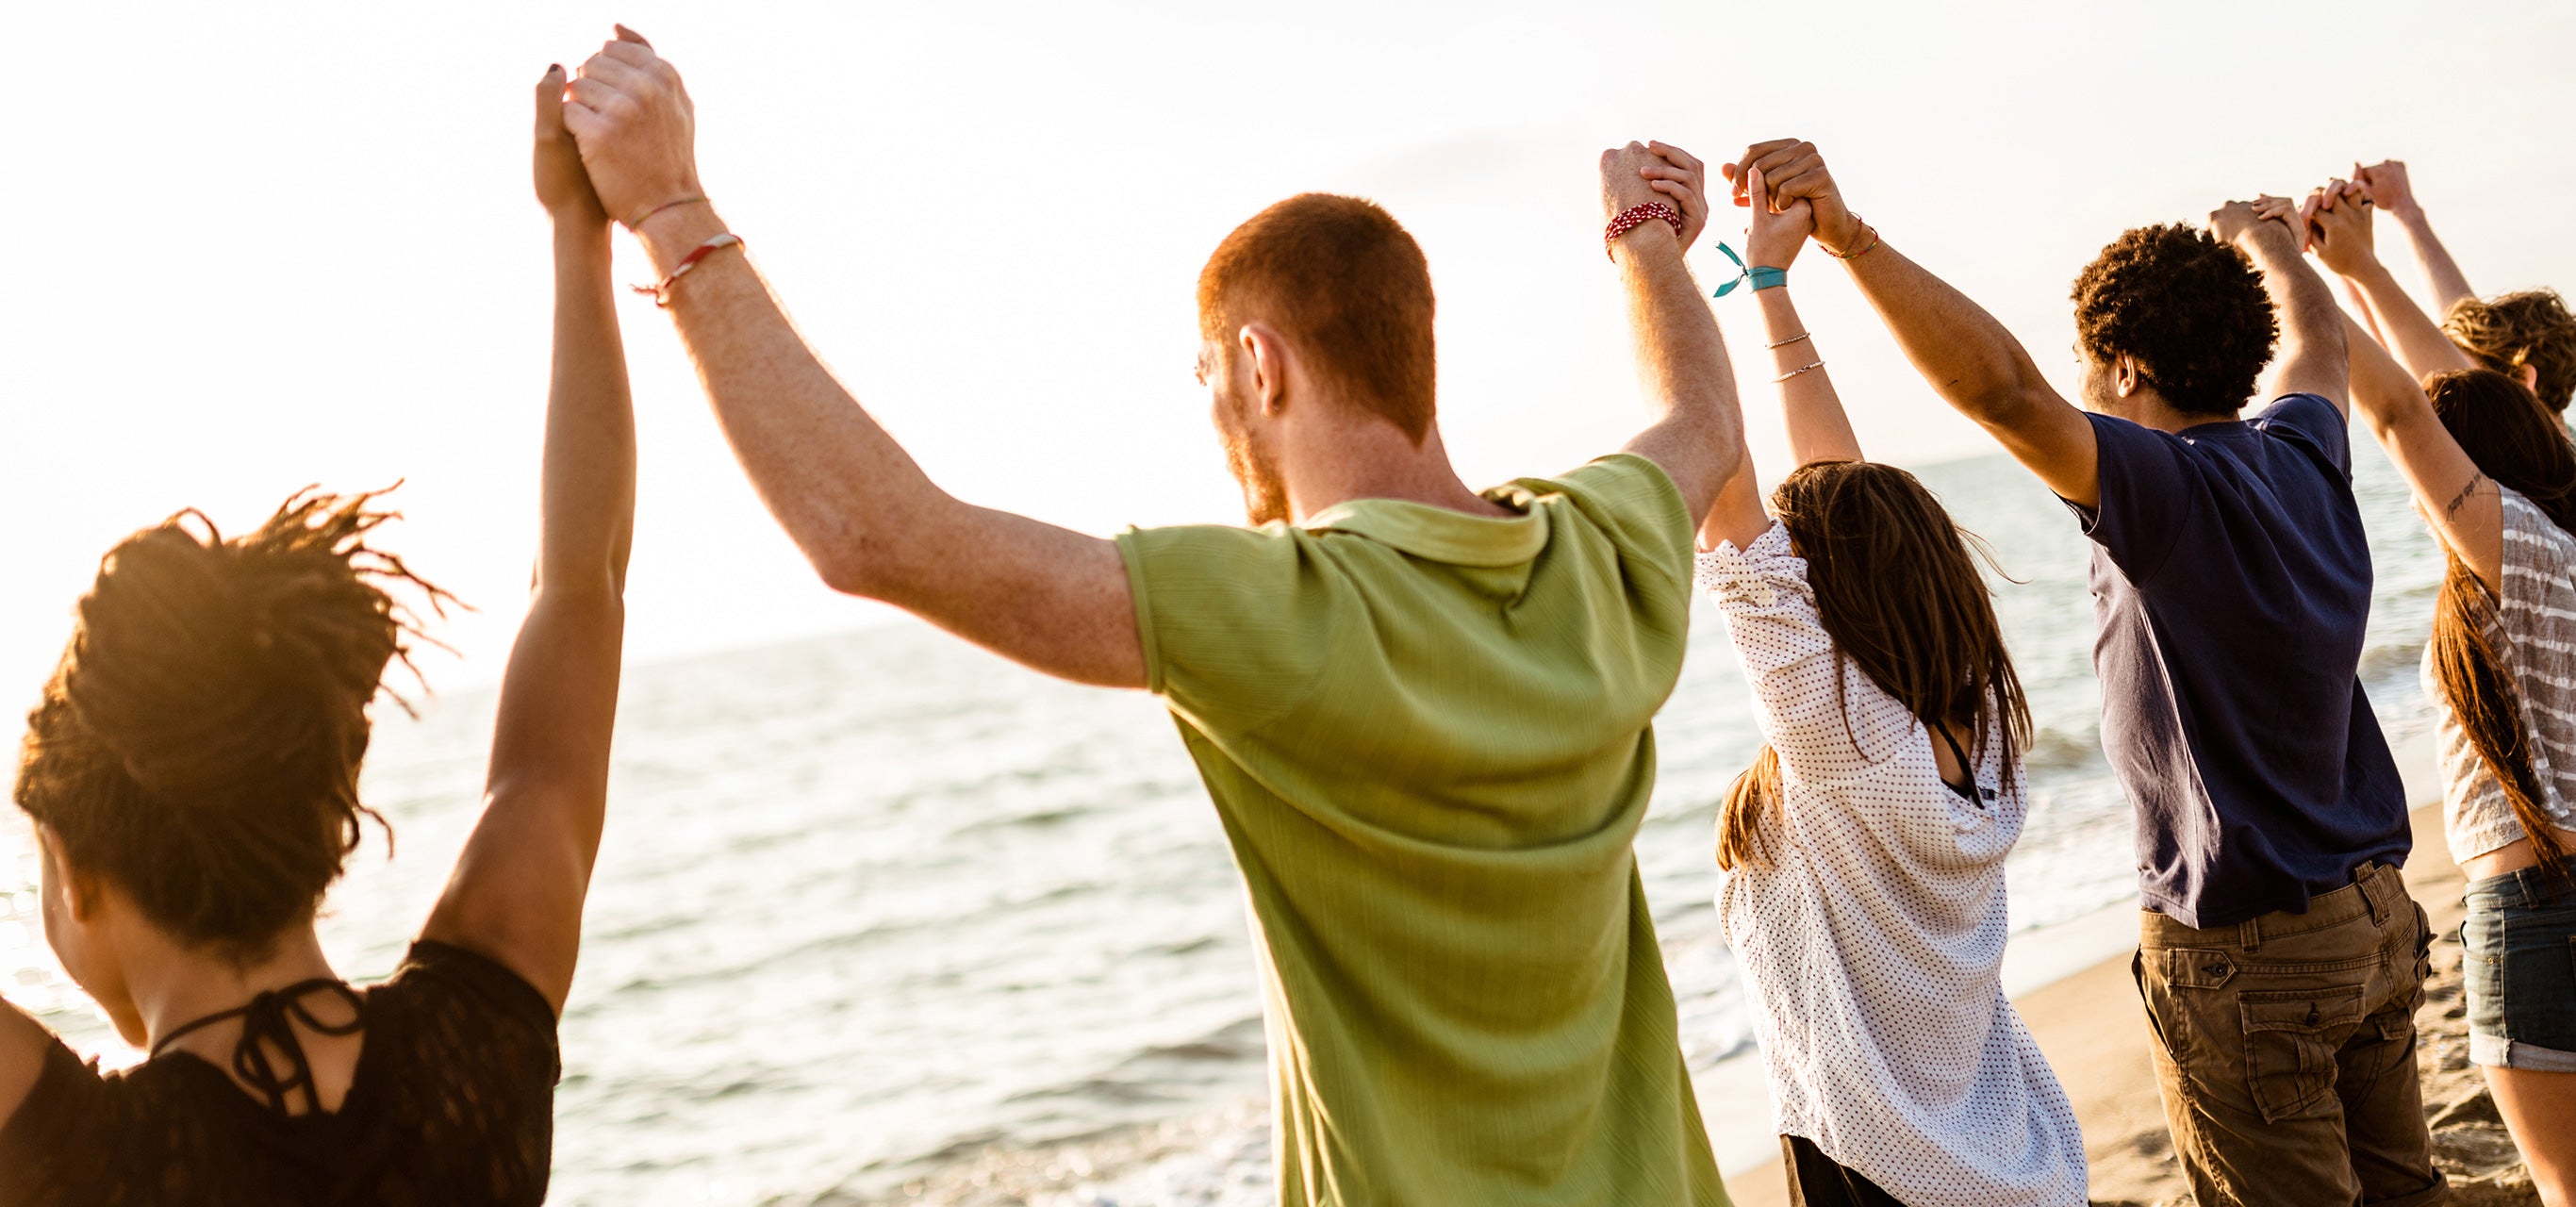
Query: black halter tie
x=271 y=1016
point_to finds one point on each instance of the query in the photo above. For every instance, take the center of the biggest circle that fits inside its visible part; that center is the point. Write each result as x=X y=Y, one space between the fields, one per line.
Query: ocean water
x=881 y=918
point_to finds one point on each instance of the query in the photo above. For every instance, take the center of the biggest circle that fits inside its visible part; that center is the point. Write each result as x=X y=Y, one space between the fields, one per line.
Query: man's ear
x=1268 y=355
x=2125 y=378
x=2530 y=375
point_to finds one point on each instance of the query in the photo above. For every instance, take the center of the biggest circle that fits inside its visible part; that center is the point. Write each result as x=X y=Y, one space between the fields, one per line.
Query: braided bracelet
x=1636 y=216
x=661 y=290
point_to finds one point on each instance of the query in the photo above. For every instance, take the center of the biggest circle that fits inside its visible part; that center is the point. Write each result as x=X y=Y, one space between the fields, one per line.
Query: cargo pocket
x=2291 y=1037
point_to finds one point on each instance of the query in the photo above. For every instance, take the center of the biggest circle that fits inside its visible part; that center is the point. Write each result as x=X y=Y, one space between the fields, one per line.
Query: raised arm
x=2312 y=358
x=517 y=893
x=2386 y=186
x=867 y=518
x=1697 y=433
x=2416 y=339
x=1967 y=357
x=2457 y=499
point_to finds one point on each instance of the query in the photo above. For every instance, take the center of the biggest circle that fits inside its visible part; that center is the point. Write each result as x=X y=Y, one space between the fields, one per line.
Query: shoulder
x=1630 y=498
x=2312 y=420
x=2538 y=554
x=1754 y=575
x=54 y=1107
x=449 y=996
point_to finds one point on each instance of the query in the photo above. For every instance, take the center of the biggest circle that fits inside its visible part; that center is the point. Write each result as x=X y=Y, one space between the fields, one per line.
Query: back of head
x=1898 y=592
x=199 y=743
x=1343 y=281
x=2507 y=333
x=2502 y=427
x=2188 y=309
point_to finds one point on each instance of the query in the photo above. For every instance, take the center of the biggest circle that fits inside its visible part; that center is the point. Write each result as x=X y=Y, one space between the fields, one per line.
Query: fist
x=2384 y=183
x=635 y=126
x=562 y=186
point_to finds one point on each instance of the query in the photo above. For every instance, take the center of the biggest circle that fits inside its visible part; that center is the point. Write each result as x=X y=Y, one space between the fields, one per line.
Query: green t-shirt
x=1429 y=735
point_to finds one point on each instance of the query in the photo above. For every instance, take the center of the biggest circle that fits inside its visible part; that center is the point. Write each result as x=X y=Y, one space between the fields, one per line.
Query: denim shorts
x=2521 y=970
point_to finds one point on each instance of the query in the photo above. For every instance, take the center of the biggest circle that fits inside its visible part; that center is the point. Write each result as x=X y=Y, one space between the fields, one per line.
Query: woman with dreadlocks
x=1865 y=847
x=2493 y=473
x=192 y=771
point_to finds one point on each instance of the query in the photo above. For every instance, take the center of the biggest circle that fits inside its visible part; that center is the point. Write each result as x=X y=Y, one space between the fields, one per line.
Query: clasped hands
x=1784 y=182
x=615 y=138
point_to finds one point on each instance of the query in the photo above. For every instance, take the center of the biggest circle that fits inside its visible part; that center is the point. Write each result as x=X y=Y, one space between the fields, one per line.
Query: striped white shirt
x=2535 y=635
x=1871 y=949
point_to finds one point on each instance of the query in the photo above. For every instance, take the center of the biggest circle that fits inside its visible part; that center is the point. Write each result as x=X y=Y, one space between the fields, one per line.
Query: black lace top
x=452 y=1103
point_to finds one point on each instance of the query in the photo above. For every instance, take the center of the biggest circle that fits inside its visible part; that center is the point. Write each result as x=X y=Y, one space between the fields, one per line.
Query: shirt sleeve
x=2311 y=420
x=1822 y=731
x=1635 y=501
x=1236 y=623
x=480 y=1004
x=2148 y=488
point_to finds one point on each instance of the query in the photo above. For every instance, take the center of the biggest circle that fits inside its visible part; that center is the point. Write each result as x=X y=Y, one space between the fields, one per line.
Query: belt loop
x=2249 y=933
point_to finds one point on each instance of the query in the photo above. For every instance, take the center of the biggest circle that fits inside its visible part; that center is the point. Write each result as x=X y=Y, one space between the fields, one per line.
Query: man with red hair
x=1424 y=712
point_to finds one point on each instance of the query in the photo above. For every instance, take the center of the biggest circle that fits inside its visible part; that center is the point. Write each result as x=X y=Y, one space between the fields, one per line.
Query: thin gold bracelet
x=1866 y=248
x=1794 y=372
x=1786 y=342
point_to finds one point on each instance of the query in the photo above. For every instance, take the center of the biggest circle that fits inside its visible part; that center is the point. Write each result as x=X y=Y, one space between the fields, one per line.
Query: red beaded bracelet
x=661 y=290
x=1636 y=216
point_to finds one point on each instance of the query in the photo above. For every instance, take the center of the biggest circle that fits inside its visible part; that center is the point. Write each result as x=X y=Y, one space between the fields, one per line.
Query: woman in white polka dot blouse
x=1865 y=900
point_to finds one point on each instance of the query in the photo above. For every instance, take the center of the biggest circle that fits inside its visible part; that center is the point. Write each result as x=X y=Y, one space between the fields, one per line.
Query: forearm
x=2443 y=273
x=588 y=492
x=1818 y=428
x=1961 y=351
x=846 y=493
x=2313 y=357
x=2416 y=339
x=1697 y=430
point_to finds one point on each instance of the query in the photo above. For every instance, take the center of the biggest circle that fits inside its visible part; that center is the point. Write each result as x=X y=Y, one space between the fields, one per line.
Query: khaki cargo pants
x=2286 y=1050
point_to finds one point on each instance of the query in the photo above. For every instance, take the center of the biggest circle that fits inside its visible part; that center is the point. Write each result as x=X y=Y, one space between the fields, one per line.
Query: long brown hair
x=2504 y=429
x=199 y=743
x=1901 y=598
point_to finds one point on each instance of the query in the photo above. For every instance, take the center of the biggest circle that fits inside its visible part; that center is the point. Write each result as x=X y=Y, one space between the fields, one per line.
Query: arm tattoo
x=2463 y=496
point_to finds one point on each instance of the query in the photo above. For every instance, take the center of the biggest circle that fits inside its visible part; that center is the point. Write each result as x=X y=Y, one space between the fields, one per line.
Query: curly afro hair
x=2531 y=328
x=2188 y=309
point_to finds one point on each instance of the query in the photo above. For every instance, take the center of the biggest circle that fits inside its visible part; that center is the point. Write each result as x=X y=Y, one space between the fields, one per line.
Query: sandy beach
x=2094 y=1031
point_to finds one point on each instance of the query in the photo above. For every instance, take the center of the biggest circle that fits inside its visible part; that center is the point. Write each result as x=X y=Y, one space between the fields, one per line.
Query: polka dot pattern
x=1872 y=949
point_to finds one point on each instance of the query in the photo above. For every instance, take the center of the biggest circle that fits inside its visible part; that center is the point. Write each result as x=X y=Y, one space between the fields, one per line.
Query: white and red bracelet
x=1636 y=216
x=661 y=290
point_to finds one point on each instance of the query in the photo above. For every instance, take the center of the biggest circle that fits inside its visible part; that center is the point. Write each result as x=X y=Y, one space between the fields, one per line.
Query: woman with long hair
x=1864 y=848
x=192 y=772
x=2494 y=475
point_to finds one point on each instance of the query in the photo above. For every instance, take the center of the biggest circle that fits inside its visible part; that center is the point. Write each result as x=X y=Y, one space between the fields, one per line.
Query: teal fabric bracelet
x=1768 y=278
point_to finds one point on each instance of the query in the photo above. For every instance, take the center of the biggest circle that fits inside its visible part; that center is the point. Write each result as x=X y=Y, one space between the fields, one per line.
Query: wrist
x=581 y=228
x=2406 y=212
x=675 y=232
x=1840 y=241
x=1647 y=245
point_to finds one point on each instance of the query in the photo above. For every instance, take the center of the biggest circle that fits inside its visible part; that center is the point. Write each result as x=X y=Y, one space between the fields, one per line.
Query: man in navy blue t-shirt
x=2281 y=959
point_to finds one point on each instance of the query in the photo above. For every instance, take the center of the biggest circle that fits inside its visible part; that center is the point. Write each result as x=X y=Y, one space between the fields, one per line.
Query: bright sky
x=255 y=246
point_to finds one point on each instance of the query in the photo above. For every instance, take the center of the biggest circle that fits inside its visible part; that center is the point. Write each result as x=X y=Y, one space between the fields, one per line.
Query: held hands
x=1774 y=237
x=1636 y=175
x=2338 y=224
x=635 y=126
x=2264 y=220
x=562 y=186
x=1796 y=173
x=2384 y=185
